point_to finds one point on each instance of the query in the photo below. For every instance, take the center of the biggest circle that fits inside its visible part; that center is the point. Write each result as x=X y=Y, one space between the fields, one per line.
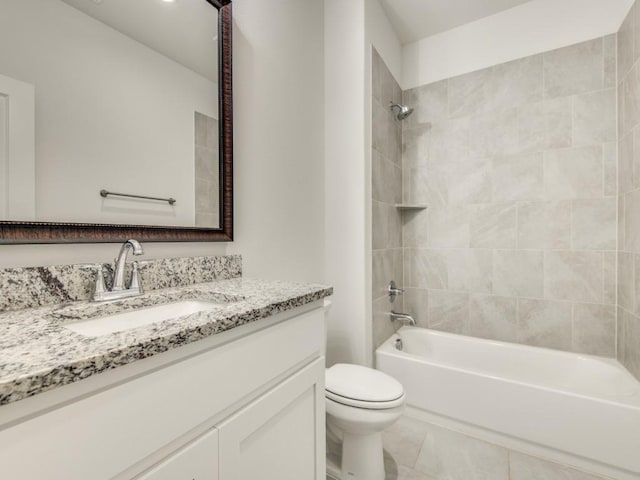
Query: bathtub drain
x=399 y=344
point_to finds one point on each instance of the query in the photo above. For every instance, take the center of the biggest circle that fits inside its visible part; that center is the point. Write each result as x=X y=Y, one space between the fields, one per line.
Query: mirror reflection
x=117 y=97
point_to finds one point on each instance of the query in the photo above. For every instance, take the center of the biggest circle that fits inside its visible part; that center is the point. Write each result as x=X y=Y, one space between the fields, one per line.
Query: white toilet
x=361 y=403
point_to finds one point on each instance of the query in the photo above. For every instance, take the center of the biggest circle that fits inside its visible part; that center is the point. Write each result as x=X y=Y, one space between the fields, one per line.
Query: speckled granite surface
x=31 y=287
x=37 y=352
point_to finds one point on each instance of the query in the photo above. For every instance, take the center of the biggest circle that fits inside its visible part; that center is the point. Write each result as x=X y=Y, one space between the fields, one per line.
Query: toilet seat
x=362 y=387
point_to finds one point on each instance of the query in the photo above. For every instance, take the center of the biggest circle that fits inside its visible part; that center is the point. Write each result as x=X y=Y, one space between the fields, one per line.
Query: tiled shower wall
x=206 y=172
x=517 y=164
x=386 y=192
x=629 y=192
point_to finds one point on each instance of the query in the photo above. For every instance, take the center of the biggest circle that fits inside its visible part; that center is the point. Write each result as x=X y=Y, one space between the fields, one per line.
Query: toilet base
x=361 y=459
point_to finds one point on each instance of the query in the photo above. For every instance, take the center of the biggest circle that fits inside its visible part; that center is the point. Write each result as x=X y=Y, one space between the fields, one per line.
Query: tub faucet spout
x=402 y=317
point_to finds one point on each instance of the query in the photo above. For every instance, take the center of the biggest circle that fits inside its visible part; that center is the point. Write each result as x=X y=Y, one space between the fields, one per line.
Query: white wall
x=351 y=28
x=278 y=103
x=279 y=138
x=345 y=181
x=109 y=111
x=533 y=27
x=379 y=33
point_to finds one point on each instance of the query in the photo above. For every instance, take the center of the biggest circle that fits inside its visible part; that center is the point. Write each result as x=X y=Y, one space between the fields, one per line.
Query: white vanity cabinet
x=276 y=436
x=196 y=461
x=245 y=404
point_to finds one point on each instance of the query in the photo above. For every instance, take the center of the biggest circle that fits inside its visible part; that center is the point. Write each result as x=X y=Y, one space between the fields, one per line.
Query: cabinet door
x=280 y=436
x=196 y=461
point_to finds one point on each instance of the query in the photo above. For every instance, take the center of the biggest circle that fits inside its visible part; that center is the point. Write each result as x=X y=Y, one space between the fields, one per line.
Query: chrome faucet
x=402 y=317
x=121 y=262
x=119 y=289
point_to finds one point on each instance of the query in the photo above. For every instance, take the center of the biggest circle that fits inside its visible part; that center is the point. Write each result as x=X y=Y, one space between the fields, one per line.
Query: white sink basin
x=119 y=322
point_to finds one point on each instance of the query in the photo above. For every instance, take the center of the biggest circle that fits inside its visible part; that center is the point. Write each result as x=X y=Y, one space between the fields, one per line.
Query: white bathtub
x=581 y=405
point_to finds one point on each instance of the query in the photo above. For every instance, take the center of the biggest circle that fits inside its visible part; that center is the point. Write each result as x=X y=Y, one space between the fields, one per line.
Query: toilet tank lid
x=362 y=383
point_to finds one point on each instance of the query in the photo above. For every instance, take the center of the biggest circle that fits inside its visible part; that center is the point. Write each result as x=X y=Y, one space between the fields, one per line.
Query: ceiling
x=185 y=30
x=416 y=19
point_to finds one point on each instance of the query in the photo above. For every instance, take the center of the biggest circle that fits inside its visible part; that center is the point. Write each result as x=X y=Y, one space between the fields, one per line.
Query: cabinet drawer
x=196 y=461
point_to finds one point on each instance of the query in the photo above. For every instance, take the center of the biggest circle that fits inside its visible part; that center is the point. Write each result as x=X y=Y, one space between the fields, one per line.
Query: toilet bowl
x=361 y=403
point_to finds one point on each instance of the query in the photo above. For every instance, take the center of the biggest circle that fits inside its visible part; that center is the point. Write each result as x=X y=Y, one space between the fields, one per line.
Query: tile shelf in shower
x=410 y=206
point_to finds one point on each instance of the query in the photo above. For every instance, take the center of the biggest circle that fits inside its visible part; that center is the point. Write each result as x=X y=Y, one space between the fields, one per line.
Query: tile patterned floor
x=414 y=450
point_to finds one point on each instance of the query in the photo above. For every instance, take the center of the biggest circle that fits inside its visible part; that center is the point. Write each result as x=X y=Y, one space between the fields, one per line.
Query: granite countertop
x=37 y=353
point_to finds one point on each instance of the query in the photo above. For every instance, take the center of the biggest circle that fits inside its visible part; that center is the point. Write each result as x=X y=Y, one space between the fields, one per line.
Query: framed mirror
x=116 y=121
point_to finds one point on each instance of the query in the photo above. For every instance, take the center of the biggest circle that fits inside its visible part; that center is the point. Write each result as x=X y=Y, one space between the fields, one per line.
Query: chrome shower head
x=403 y=110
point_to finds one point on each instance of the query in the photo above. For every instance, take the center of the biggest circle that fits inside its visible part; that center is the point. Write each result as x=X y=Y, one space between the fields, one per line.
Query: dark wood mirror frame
x=50 y=232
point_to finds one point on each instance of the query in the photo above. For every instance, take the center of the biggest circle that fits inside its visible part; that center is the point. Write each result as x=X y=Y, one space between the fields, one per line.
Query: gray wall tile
x=494 y=133
x=518 y=177
x=518 y=166
x=573 y=276
x=430 y=102
x=621 y=209
x=449 y=227
x=421 y=186
x=470 y=93
x=610 y=260
x=632 y=221
x=493 y=226
x=469 y=180
x=544 y=225
x=594 y=224
x=416 y=304
x=517 y=82
x=388 y=222
x=386 y=179
x=629 y=341
x=610 y=159
x=493 y=317
x=626 y=44
x=544 y=323
x=610 y=72
x=448 y=310
x=594 y=328
x=626 y=282
x=387 y=266
x=416 y=143
x=594 y=117
x=518 y=273
x=574 y=69
x=573 y=173
x=625 y=164
x=546 y=124
x=387 y=257
x=635 y=159
x=635 y=13
x=382 y=328
x=426 y=268
x=415 y=226
x=630 y=97
x=470 y=270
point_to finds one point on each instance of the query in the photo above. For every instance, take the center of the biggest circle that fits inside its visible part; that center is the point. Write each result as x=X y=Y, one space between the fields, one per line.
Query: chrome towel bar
x=106 y=193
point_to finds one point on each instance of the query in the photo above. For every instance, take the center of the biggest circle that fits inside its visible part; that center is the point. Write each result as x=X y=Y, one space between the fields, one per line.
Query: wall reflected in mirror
x=115 y=95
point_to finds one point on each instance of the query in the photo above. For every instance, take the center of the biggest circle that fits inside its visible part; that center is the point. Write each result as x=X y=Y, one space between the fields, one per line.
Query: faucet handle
x=99 y=287
x=135 y=278
x=394 y=291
